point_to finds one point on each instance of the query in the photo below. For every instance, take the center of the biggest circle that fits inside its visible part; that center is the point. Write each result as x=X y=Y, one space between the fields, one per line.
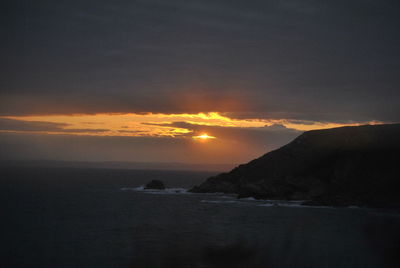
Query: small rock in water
x=155 y=184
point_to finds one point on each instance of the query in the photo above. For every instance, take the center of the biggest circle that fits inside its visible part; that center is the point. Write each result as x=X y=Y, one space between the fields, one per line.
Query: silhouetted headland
x=339 y=167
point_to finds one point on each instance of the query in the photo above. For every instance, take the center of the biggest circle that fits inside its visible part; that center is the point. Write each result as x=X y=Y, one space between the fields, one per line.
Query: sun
x=203 y=137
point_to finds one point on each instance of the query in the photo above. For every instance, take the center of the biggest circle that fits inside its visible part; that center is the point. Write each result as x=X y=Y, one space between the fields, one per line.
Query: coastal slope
x=339 y=166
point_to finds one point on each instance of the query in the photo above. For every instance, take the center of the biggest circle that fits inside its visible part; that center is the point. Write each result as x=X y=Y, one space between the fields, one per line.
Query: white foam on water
x=267 y=205
x=231 y=199
x=249 y=199
x=228 y=196
x=156 y=191
x=219 y=201
x=295 y=205
x=167 y=191
x=291 y=204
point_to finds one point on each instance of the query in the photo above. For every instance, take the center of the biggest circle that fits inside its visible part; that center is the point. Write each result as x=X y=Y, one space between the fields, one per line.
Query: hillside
x=339 y=166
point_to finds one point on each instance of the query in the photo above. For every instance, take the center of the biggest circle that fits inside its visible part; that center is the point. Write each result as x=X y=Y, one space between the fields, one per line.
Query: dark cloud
x=20 y=125
x=232 y=145
x=22 y=146
x=134 y=149
x=130 y=131
x=84 y=130
x=260 y=139
x=316 y=60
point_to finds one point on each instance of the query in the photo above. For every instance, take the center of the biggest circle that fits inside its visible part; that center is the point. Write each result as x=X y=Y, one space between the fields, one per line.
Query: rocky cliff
x=340 y=166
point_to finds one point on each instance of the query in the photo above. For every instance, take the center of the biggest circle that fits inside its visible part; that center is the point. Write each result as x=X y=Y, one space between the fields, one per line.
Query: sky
x=190 y=81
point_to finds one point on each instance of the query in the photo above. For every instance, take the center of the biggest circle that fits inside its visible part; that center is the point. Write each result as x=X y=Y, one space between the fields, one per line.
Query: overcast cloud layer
x=314 y=60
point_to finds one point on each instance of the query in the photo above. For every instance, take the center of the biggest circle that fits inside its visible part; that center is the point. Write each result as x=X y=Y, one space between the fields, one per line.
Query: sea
x=80 y=217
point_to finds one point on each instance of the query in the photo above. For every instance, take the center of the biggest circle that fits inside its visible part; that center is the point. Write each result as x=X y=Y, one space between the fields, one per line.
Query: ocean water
x=69 y=217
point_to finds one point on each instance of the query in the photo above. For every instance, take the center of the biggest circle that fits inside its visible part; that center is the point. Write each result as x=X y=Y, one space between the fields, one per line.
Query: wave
x=155 y=191
x=220 y=201
x=220 y=198
x=273 y=203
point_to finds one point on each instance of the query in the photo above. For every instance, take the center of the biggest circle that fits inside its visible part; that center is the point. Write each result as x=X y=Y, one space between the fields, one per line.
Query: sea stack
x=155 y=184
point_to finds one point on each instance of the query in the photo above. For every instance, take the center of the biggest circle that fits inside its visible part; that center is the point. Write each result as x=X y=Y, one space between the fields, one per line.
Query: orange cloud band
x=154 y=125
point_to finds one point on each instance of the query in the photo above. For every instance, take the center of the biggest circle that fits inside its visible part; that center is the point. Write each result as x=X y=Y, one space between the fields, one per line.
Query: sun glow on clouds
x=154 y=125
x=204 y=137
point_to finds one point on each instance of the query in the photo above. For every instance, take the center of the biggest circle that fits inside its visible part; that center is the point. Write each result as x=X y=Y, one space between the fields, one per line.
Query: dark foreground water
x=58 y=217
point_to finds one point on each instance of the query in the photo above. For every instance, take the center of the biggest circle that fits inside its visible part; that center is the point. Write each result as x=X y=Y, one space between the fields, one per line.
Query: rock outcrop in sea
x=155 y=184
x=340 y=166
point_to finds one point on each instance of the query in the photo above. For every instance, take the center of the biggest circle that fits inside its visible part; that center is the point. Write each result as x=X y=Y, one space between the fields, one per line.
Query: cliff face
x=339 y=166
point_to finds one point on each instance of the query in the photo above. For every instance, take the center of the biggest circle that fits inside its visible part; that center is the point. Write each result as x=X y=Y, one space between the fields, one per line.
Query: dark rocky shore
x=340 y=166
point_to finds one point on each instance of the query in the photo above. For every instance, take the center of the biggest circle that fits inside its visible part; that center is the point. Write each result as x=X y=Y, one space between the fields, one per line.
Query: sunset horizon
x=200 y=133
x=132 y=81
x=215 y=127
